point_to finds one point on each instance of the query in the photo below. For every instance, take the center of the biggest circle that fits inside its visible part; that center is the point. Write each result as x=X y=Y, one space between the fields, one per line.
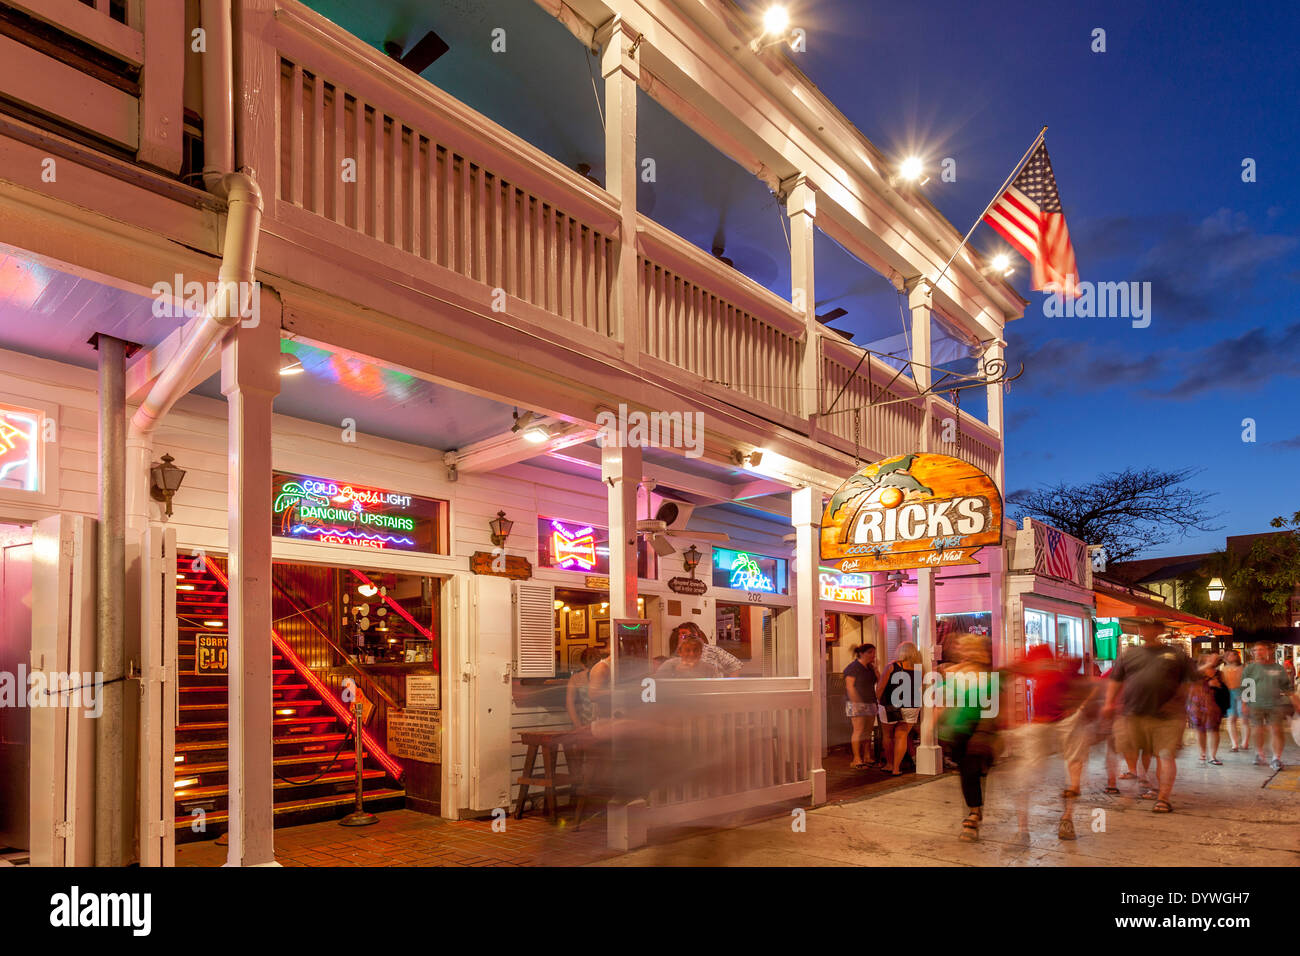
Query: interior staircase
x=314 y=754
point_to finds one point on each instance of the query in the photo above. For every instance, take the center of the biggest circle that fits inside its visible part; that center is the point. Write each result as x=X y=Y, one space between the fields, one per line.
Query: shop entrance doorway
x=341 y=634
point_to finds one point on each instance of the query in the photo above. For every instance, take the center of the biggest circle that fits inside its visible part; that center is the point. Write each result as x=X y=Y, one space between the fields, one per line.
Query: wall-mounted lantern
x=166 y=480
x=500 y=526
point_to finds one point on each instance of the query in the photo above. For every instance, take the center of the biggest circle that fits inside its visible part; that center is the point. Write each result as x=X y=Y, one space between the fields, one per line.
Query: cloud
x=1247 y=361
x=1089 y=366
x=1197 y=270
x=1286 y=443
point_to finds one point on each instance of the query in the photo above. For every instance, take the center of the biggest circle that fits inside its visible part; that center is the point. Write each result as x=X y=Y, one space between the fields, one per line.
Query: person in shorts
x=1231 y=672
x=899 y=694
x=860 y=679
x=1265 y=689
x=1148 y=687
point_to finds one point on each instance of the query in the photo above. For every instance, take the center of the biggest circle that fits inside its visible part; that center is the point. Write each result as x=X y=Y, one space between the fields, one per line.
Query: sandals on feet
x=1163 y=806
x=1111 y=790
x=1128 y=776
x=1216 y=762
x=1066 y=830
x=1148 y=794
x=970 y=827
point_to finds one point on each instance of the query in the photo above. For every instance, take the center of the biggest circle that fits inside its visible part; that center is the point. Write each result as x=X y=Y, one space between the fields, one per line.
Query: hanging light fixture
x=691 y=559
x=166 y=480
x=500 y=526
x=1216 y=589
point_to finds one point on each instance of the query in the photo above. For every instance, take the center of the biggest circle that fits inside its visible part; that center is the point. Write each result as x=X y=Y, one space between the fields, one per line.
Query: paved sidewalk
x=1234 y=815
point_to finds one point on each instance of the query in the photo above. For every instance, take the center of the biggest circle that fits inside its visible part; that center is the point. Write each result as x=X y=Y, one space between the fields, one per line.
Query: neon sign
x=845 y=588
x=744 y=571
x=331 y=512
x=20 y=448
x=573 y=550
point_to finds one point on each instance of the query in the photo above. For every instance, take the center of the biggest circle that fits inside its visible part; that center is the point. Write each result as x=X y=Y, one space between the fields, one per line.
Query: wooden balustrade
x=363 y=147
x=727 y=745
x=700 y=316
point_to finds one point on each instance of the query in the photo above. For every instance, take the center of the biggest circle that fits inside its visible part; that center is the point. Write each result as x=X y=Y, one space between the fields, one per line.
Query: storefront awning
x=1121 y=602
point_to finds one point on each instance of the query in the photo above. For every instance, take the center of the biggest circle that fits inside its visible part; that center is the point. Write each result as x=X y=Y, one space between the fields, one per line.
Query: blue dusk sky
x=1147 y=141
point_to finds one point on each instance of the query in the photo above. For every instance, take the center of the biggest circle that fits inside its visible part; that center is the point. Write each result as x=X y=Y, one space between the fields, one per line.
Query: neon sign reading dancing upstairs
x=334 y=513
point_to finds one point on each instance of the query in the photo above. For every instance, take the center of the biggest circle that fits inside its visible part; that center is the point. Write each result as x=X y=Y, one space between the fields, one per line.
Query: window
x=21 y=449
x=1038 y=628
x=572 y=546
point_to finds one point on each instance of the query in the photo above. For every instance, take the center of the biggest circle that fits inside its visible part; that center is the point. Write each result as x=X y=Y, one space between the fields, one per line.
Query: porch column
x=806 y=516
x=929 y=758
x=994 y=360
x=801 y=207
x=621 y=70
x=250 y=380
x=620 y=469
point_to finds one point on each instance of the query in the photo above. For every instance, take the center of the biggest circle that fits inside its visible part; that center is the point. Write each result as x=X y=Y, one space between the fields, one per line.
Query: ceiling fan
x=421 y=56
x=896 y=579
x=670 y=522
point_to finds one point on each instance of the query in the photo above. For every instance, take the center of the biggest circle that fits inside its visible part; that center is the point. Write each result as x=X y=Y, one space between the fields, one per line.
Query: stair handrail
x=352 y=665
x=341 y=710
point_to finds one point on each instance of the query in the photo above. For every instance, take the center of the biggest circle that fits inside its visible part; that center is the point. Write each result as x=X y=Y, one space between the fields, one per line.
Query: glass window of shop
x=968 y=622
x=747 y=571
x=582 y=627
x=1063 y=633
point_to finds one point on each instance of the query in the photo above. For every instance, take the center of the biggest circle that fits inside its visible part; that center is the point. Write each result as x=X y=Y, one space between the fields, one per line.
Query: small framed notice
x=423 y=691
x=415 y=735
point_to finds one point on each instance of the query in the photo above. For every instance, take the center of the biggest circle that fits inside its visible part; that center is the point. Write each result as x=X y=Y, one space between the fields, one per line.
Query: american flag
x=1028 y=215
x=1059 y=555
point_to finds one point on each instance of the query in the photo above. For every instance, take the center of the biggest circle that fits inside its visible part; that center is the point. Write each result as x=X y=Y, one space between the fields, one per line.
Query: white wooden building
x=435 y=273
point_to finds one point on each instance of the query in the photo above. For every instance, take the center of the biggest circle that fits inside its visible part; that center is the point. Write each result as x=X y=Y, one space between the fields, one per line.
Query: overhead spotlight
x=911 y=170
x=367 y=590
x=522 y=421
x=776 y=28
x=1002 y=263
x=537 y=434
x=776 y=21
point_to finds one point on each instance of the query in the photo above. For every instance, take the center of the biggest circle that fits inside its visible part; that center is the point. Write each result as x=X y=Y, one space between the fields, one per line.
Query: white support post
x=801 y=207
x=805 y=515
x=620 y=469
x=929 y=758
x=250 y=380
x=997 y=557
x=621 y=70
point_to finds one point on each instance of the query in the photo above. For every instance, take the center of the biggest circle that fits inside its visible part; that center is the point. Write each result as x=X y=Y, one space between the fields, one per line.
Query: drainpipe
x=218 y=93
x=238 y=258
x=110 y=611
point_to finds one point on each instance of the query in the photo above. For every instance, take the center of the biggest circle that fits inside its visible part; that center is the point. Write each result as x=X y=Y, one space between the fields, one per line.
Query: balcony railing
x=370 y=149
x=86 y=69
x=700 y=316
x=369 y=163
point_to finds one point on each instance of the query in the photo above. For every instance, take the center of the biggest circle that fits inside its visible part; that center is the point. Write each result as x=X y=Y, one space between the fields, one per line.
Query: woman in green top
x=966 y=726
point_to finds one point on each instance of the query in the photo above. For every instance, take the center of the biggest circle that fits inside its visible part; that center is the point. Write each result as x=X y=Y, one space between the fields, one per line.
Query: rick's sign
x=911 y=511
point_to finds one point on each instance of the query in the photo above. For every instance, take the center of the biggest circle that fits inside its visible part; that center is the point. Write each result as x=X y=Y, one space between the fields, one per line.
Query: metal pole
x=358 y=817
x=110 y=624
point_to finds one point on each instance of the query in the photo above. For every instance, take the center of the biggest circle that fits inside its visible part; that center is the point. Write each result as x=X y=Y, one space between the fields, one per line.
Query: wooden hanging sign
x=511 y=566
x=919 y=510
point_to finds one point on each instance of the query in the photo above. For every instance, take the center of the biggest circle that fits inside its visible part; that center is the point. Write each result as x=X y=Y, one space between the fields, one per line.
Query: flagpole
x=996 y=196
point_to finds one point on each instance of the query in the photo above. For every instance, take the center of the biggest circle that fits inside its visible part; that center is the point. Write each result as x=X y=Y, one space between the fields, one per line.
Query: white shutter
x=893 y=636
x=534 y=630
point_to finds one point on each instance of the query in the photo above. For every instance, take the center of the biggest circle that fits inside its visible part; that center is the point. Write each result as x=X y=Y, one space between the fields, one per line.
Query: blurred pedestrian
x=899 y=694
x=1207 y=700
x=1238 y=726
x=860 y=679
x=1266 y=688
x=690 y=660
x=967 y=724
x=1148 y=686
x=1056 y=727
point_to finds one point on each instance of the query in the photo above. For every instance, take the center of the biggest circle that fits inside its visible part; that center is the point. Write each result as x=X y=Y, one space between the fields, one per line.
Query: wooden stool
x=549 y=743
